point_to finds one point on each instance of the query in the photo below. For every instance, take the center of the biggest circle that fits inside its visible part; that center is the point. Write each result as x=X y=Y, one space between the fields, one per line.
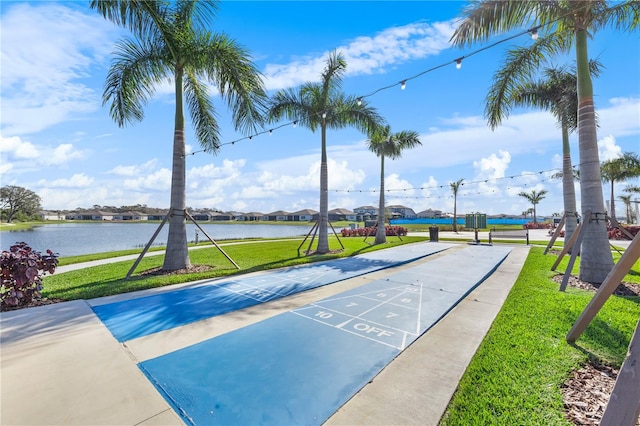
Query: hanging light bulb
x=534 y=33
x=250 y=137
x=270 y=132
x=458 y=63
x=359 y=101
x=403 y=84
x=295 y=124
x=324 y=115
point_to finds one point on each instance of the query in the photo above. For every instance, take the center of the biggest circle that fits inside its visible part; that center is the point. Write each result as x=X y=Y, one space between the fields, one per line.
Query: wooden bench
x=508 y=233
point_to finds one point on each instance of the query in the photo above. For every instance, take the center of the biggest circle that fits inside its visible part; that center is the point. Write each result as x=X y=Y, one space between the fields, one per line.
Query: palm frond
x=202 y=112
x=136 y=69
x=482 y=19
x=228 y=65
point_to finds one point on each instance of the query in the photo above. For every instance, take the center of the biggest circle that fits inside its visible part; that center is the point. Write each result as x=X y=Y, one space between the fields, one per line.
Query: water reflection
x=71 y=239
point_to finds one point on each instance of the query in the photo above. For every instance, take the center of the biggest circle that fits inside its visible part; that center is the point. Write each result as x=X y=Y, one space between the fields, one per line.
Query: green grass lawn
x=516 y=374
x=251 y=256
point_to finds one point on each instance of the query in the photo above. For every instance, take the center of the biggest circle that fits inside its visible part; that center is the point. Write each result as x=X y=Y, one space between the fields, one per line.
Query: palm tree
x=322 y=105
x=171 y=42
x=454 y=188
x=570 y=24
x=534 y=198
x=557 y=93
x=385 y=144
x=618 y=170
x=626 y=199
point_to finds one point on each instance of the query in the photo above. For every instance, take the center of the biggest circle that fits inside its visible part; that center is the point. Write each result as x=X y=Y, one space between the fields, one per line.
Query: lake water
x=71 y=239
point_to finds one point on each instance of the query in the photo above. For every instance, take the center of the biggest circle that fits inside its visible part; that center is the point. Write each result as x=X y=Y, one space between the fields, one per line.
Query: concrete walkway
x=60 y=365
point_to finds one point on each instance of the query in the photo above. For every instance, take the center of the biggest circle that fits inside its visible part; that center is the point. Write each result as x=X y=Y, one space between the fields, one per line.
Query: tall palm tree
x=556 y=92
x=626 y=199
x=454 y=188
x=171 y=41
x=570 y=23
x=618 y=170
x=534 y=197
x=322 y=105
x=385 y=144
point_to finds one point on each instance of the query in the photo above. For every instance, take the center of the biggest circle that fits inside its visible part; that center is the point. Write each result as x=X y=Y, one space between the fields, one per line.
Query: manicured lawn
x=516 y=374
x=251 y=256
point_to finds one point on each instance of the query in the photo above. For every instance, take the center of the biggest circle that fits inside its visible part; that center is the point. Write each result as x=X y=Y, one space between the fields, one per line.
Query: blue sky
x=59 y=141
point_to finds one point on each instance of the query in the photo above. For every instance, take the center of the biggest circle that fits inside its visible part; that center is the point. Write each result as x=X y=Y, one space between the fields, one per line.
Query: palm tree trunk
x=612 y=210
x=595 y=256
x=381 y=234
x=323 y=216
x=534 y=214
x=455 y=211
x=568 y=186
x=177 y=254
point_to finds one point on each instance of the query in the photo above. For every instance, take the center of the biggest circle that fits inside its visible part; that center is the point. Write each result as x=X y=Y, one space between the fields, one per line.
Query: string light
x=270 y=132
x=466 y=182
x=295 y=124
x=403 y=83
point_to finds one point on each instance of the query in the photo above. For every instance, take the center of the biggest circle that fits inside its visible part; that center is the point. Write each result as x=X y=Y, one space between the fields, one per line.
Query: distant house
x=366 y=213
x=342 y=214
x=429 y=213
x=306 y=215
x=47 y=215
x=402 y=212
x=157 y=215
x=201 y=216
x=277 y=216
x=250 y=217
x=130 y=216
x=92 y=215
x=219 y=216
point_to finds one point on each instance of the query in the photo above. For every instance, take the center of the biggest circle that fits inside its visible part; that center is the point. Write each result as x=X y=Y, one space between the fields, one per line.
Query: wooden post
x=305 y=238
x=334 y=233
x=572 y=261
x=144 y=251
x=211 y=239
x=623 y=408
x=606 y=289
x=569 y=244
x=555 y=234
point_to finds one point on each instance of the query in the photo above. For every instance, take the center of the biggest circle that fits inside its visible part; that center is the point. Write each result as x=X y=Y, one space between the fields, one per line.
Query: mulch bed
x=587 y=392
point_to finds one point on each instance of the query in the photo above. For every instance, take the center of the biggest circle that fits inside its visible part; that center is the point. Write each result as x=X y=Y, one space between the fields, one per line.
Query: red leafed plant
x=22 y=272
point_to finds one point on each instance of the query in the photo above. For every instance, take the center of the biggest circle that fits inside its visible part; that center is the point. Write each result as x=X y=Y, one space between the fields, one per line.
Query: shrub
x=21 y=268
x=537 y=225
x=390 y=230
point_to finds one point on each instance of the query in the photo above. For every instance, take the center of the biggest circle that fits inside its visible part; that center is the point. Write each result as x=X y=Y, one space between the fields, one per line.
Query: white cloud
x=15 y=147
x=63 y=154
x=367 y=55
x=159 y=180
x=607 y=148
x=47 y=52
x=229 y=168
x=79 y=180
x=134 y=170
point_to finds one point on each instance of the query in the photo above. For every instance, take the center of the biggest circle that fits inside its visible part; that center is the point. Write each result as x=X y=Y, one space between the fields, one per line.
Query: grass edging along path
x=107 y=280
x=516 y=375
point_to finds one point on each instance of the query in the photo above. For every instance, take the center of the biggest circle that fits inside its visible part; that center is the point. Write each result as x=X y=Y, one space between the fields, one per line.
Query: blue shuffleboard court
x=300 y=367
x=139 y=317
